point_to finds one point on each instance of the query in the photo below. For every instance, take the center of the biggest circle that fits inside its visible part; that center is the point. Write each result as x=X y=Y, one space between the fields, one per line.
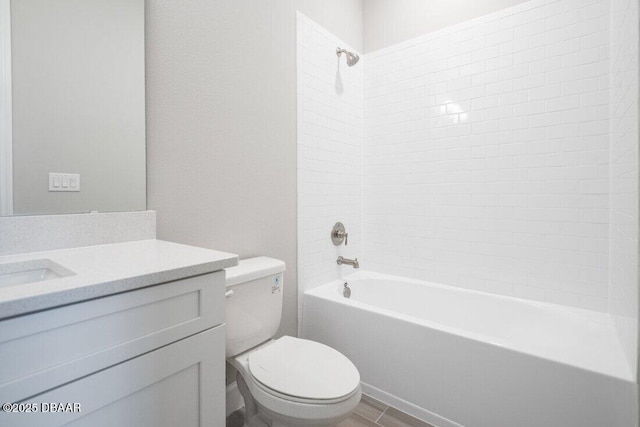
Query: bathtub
x=454 y=357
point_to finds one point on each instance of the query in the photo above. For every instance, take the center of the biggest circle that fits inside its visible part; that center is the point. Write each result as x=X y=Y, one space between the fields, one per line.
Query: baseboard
x=409 y=408
x=234 y=399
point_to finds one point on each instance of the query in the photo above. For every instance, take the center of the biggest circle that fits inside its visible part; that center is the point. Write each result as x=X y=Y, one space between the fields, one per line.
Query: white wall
x=330 y=128
x=221 y=123
x=387 y=22
x=624 y=175
x=78 y=104
x=486 y=154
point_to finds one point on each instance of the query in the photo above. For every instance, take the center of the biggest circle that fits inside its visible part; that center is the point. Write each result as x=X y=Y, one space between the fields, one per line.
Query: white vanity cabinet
x=148 y=357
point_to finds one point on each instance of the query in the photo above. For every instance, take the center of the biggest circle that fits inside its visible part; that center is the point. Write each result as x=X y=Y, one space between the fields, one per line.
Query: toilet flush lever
x=228 y=293
x=338 y=235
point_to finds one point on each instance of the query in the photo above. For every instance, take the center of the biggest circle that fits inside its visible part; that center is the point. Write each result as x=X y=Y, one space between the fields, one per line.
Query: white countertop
x=107 y=269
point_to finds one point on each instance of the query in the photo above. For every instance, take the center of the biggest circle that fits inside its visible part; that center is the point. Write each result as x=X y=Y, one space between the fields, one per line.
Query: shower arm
x=352 y=58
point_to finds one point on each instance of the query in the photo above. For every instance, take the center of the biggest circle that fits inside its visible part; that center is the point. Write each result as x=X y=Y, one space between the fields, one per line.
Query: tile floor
x=368 y=413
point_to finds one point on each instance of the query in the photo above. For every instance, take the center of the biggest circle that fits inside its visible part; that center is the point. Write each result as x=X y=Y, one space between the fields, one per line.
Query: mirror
x=72 y=112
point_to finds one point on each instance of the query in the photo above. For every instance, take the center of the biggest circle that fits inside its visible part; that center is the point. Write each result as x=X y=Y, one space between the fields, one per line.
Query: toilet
x=287 y=381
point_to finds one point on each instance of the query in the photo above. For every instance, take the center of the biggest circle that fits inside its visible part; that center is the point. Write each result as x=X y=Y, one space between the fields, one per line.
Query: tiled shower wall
x=330 y=109
x=624 y=174
x=487 y=151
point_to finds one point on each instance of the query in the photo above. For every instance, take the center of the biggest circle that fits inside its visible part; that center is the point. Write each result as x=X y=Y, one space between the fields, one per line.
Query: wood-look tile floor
x=368 y=413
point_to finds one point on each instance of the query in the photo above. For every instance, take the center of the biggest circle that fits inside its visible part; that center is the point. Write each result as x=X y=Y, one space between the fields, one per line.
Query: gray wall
x=387 y=22
x=221 y=123
x=78 y=104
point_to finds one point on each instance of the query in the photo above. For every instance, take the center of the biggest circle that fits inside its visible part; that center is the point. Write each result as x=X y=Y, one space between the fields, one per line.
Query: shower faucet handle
x=338 y=235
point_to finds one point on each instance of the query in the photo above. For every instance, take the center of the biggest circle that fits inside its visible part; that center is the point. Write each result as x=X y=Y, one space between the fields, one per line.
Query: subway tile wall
x=624 y=175
x=486 y=156
x=330 y=130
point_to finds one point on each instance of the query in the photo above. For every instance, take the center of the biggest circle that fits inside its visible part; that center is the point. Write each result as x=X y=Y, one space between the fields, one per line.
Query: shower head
x=352 y=58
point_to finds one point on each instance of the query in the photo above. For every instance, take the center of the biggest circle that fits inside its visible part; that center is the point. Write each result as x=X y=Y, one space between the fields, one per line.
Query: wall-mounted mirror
x=72 y=112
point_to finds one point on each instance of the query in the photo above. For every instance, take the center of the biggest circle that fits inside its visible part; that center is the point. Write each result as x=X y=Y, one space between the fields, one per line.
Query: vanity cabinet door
x=180 y=385
x=44 y=350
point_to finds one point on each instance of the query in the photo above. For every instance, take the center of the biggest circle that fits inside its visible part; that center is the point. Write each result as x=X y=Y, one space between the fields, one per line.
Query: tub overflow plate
x=346 y=292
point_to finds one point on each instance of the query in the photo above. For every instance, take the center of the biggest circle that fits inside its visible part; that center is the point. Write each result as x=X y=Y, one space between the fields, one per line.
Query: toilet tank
x=254 y=302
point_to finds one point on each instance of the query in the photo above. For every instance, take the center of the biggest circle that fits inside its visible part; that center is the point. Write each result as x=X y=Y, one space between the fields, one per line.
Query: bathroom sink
x=37 y=270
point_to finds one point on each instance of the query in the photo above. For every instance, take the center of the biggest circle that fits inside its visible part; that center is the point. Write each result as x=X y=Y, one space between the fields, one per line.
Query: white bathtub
x=456 y=357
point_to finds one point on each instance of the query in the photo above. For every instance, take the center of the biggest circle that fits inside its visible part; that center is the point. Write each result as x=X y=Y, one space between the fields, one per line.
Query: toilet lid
x=304 y=369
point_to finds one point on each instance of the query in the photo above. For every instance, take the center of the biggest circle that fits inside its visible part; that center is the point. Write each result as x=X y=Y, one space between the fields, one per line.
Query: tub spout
x=352 y=262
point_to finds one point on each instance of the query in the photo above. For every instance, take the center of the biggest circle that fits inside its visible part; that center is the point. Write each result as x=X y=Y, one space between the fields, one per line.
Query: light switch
x=64 y=181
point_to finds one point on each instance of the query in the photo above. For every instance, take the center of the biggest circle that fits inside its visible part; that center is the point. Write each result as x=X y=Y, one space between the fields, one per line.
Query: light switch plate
x=64 y=181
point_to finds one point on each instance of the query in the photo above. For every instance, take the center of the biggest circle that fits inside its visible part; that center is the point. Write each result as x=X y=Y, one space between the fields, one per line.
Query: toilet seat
x=277 y=404
x=296 y=399
x=303 y=370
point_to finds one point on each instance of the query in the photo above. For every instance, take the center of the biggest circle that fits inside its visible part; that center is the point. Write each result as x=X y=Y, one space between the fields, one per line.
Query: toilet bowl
x=284 y=382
